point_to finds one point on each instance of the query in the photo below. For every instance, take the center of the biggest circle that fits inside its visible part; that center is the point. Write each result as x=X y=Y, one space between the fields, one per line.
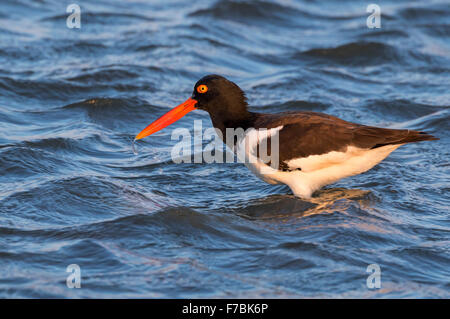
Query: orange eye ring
x=202 y=88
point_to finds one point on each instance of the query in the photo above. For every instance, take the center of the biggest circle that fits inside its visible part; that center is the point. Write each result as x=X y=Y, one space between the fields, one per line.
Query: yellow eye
x=202 y=88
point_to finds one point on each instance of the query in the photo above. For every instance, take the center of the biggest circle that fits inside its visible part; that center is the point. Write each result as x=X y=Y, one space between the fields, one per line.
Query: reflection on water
x=288 y=206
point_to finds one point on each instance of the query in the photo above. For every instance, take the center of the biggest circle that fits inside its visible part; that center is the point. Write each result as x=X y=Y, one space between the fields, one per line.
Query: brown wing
x=311 y=133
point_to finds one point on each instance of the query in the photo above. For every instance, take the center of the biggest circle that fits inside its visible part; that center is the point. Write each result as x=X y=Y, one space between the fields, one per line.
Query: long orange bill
x=172 y=116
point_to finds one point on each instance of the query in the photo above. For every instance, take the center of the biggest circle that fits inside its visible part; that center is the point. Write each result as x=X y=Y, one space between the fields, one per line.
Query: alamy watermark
x=374 y=279
x=374 y=20
x=74 y=278
x=74 y=19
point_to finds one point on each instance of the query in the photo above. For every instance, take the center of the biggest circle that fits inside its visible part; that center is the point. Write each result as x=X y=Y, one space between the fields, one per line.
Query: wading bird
x=314 y=149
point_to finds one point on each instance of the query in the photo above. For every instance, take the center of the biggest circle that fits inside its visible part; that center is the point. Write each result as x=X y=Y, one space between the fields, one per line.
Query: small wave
x=26 y=161
x=73 y=201
x=429 y=13
x=79 y=47
x=355 y=53
x=7 y=32
x=100 y=76
x=84 y=249
x=383 y=34
x=214 y=42
x=277 y=14
x=24 y=53
x=42 y=89
x=296 y=105
x=79 y=252
x=249 y=11
x=59 y=144
x=401 y=109
x=433 y=257
x=116 y=113
x=169 y=225
x=438 y=121
x=438 y=30
x=151 y=47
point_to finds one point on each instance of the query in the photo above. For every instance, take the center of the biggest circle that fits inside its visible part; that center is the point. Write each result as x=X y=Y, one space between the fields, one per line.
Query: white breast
x=246 y=151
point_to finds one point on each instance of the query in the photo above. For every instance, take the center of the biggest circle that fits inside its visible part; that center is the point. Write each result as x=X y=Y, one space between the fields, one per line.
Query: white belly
x=328 y=169
x=316 y=170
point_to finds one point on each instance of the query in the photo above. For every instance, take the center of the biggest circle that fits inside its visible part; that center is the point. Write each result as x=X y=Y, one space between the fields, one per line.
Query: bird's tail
x=417 y=136
x=383 y=136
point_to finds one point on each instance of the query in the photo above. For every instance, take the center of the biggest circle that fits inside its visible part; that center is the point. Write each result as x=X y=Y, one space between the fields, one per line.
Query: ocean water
x=73 y=192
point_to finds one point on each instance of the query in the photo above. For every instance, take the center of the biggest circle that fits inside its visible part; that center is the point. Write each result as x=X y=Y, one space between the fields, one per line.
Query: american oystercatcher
x=314 y=149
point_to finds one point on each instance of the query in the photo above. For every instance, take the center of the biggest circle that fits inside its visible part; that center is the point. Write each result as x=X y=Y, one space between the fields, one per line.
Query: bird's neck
x=239 y=120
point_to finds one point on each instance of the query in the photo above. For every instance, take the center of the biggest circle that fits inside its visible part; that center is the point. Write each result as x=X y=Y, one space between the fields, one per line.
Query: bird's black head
x=220 y=97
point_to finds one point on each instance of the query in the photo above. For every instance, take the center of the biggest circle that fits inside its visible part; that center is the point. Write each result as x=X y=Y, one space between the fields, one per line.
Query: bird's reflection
x=324 y=201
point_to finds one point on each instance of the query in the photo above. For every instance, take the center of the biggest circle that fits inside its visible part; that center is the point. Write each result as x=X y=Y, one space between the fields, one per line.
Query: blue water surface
x=73 y=192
